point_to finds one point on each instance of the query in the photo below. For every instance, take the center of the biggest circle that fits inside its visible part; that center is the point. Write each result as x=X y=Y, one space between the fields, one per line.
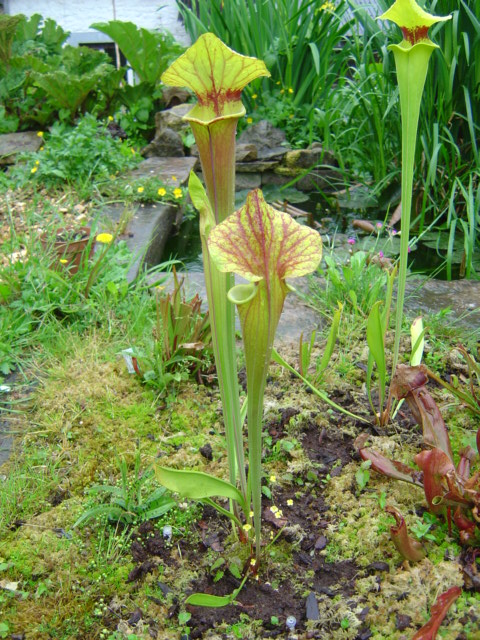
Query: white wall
x=77 y=15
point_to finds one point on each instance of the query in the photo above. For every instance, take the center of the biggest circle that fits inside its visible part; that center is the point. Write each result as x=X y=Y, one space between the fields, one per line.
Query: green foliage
x=42 y=80
x=132 y=500
x=148 y=53
x=357 y=284
x=78 y=81
x=300 y=41
x=182 y=343
x=79 y=156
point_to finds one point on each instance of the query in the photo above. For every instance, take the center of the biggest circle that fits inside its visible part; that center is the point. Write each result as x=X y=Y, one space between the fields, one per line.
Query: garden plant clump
x=162 y=478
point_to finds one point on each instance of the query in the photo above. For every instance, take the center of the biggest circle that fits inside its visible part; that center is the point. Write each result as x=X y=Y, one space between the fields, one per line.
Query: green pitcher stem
x=216 y=144
x=412 y=65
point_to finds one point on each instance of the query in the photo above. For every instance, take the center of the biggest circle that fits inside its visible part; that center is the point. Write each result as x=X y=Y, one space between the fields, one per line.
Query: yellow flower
x=104 y=238
x=40 y=134
x=132 y=150
x=282 y=90
x=33 y=169
x=140 y=189
x=63 y=261
x=254 y=96
x=279 y=513
x=37 y=162
x=177 y=193
x=290 y=90
x=174 y=178
x=274 y=509
x=41 y=149
x=290 y=502
x=247 y=527
x=253 y=562
x=161 y=192
x=110 y=118
x=251 y=514
x=273 y=478
x=249 y=120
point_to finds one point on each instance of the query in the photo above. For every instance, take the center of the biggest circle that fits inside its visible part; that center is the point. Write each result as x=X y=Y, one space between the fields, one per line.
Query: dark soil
x=314 y=577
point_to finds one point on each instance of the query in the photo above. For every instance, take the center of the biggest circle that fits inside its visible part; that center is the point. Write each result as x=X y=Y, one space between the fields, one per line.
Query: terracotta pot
x=70 y=246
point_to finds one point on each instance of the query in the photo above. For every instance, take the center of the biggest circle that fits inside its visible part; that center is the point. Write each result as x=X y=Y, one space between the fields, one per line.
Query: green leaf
x=197 y=485
x=206 y=600
x=148 y=53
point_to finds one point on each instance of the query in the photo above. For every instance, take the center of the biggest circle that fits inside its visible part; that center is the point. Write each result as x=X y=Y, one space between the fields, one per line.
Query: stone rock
x=323 y=179
x=172 y=119
x=311 y=157
x=259 y=166
x=274 y=178
x=311 y=606
x=167 y=144
x=165 y=168
x=245 y=153
x=146 y=233
x=247 y=181
x=269 y=141
x=12 y=144
x=174 y=96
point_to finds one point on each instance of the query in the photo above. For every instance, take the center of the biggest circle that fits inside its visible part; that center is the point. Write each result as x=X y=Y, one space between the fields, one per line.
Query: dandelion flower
x=290 y=90
x=41 y=148
x=104 y=238
x=161 y=192
x=37 y=162
x=177 y=193
x=140 y=189
x=110 y=118
x=33 y=169
x=40 y=134
x=174 y=178
x=249 y=120
x=63 y=261
x=254 y=97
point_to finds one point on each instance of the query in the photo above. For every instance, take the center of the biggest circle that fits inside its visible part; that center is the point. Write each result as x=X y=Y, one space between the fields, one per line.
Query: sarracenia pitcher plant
x=217 y=75
x=263 y=246
x=412 y=55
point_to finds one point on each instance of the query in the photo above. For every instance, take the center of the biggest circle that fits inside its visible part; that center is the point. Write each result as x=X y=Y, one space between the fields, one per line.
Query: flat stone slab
x=12 y=144
x=432 y=296
x=147 y=233
x=165 y=169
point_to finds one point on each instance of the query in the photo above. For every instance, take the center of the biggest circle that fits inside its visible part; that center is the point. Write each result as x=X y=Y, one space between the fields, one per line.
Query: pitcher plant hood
x=412 y=20
x=217 y=76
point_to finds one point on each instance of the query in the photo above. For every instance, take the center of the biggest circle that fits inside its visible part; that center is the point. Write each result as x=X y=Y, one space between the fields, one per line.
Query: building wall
x=77 y=15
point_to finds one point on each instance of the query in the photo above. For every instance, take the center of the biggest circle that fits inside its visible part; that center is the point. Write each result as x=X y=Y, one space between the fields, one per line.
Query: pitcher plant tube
x=217 y=76
x=265 y=247
x=412 y=55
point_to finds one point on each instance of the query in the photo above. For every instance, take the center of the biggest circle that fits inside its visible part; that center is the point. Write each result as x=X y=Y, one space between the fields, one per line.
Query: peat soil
x=320 y=593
